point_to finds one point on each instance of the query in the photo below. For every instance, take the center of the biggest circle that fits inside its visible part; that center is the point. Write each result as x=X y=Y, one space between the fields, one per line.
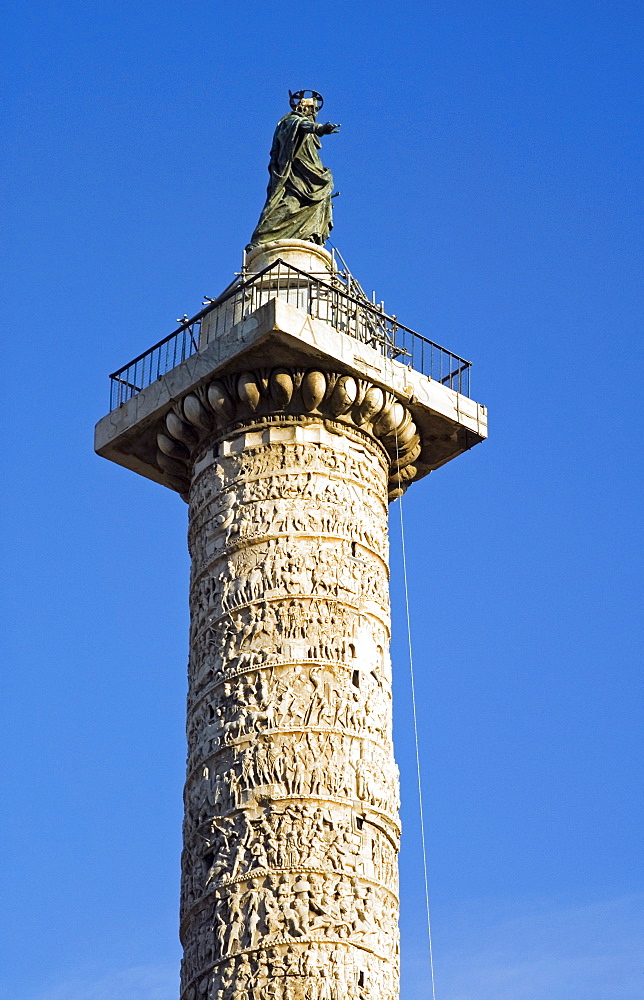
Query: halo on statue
x=296 y=97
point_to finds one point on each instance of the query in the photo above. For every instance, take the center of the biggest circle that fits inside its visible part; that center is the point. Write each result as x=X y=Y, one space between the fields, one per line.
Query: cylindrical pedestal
x=291 y=827
x=302 y=254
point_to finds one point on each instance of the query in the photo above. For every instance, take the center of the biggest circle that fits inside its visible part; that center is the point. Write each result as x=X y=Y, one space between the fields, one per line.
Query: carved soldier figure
x=251 y=901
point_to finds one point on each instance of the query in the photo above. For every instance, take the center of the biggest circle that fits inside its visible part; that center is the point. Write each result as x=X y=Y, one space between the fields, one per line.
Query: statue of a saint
x=298 y=203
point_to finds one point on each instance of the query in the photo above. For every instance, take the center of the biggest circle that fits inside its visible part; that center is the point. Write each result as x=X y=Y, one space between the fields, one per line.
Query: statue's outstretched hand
x=328 y=128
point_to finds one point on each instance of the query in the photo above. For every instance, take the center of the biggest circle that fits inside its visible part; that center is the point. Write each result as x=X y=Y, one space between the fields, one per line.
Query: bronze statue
x=298 y=203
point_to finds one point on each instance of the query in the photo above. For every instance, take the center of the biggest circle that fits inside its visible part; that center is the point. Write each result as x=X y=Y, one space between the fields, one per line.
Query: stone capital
x=280 y=364
x=263 y=397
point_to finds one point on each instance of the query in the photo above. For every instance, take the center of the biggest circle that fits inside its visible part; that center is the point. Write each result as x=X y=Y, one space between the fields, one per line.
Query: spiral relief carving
x=291 y=832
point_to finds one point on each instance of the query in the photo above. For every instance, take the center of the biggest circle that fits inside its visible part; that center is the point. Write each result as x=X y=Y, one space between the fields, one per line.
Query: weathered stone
x=277 y=333
x=287 y=437
x=291 y=830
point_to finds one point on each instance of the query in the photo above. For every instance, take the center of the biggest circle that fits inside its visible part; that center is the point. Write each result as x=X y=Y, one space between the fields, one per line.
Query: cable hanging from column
x=415 y=719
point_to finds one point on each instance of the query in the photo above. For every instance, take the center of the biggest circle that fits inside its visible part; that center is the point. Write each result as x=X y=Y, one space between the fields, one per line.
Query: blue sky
x=488 y=169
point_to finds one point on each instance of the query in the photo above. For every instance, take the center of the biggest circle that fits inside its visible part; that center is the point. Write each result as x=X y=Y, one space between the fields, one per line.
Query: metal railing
x=337 y=300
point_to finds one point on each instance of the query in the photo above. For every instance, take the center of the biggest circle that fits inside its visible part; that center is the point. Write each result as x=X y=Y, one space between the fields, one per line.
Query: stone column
x=291 y=801
x=289 y=870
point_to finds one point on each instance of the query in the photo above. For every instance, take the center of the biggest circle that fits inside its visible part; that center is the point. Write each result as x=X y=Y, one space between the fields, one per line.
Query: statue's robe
x=298 y=203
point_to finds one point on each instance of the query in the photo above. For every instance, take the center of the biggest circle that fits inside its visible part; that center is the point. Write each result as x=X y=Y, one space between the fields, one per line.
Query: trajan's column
x=288 y=413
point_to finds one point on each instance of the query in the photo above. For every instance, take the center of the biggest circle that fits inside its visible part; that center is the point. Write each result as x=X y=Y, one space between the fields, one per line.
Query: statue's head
x=309 y=102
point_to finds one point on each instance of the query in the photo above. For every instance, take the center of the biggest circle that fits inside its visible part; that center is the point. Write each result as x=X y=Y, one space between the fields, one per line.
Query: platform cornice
x=277 y=334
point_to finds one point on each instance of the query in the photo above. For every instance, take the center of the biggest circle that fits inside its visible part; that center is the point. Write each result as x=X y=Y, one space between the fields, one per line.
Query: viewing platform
x=317 y=312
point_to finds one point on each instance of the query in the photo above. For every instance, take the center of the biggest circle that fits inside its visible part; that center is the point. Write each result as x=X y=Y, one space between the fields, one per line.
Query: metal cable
x=413 y=702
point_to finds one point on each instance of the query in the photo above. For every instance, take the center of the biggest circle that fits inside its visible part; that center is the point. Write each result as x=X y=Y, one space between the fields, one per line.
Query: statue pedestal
x=298 y=253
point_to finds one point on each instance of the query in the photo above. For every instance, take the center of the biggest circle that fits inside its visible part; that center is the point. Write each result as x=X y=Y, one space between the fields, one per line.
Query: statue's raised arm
x=298 y=202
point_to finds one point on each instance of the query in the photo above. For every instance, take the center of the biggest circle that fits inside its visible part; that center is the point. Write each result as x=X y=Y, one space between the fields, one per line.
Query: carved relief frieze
x=289 y=875
x=336 y=515
x=294 y=914
x=303 y=566
x=286 y=835
x=294 y=764
x=287 y=696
